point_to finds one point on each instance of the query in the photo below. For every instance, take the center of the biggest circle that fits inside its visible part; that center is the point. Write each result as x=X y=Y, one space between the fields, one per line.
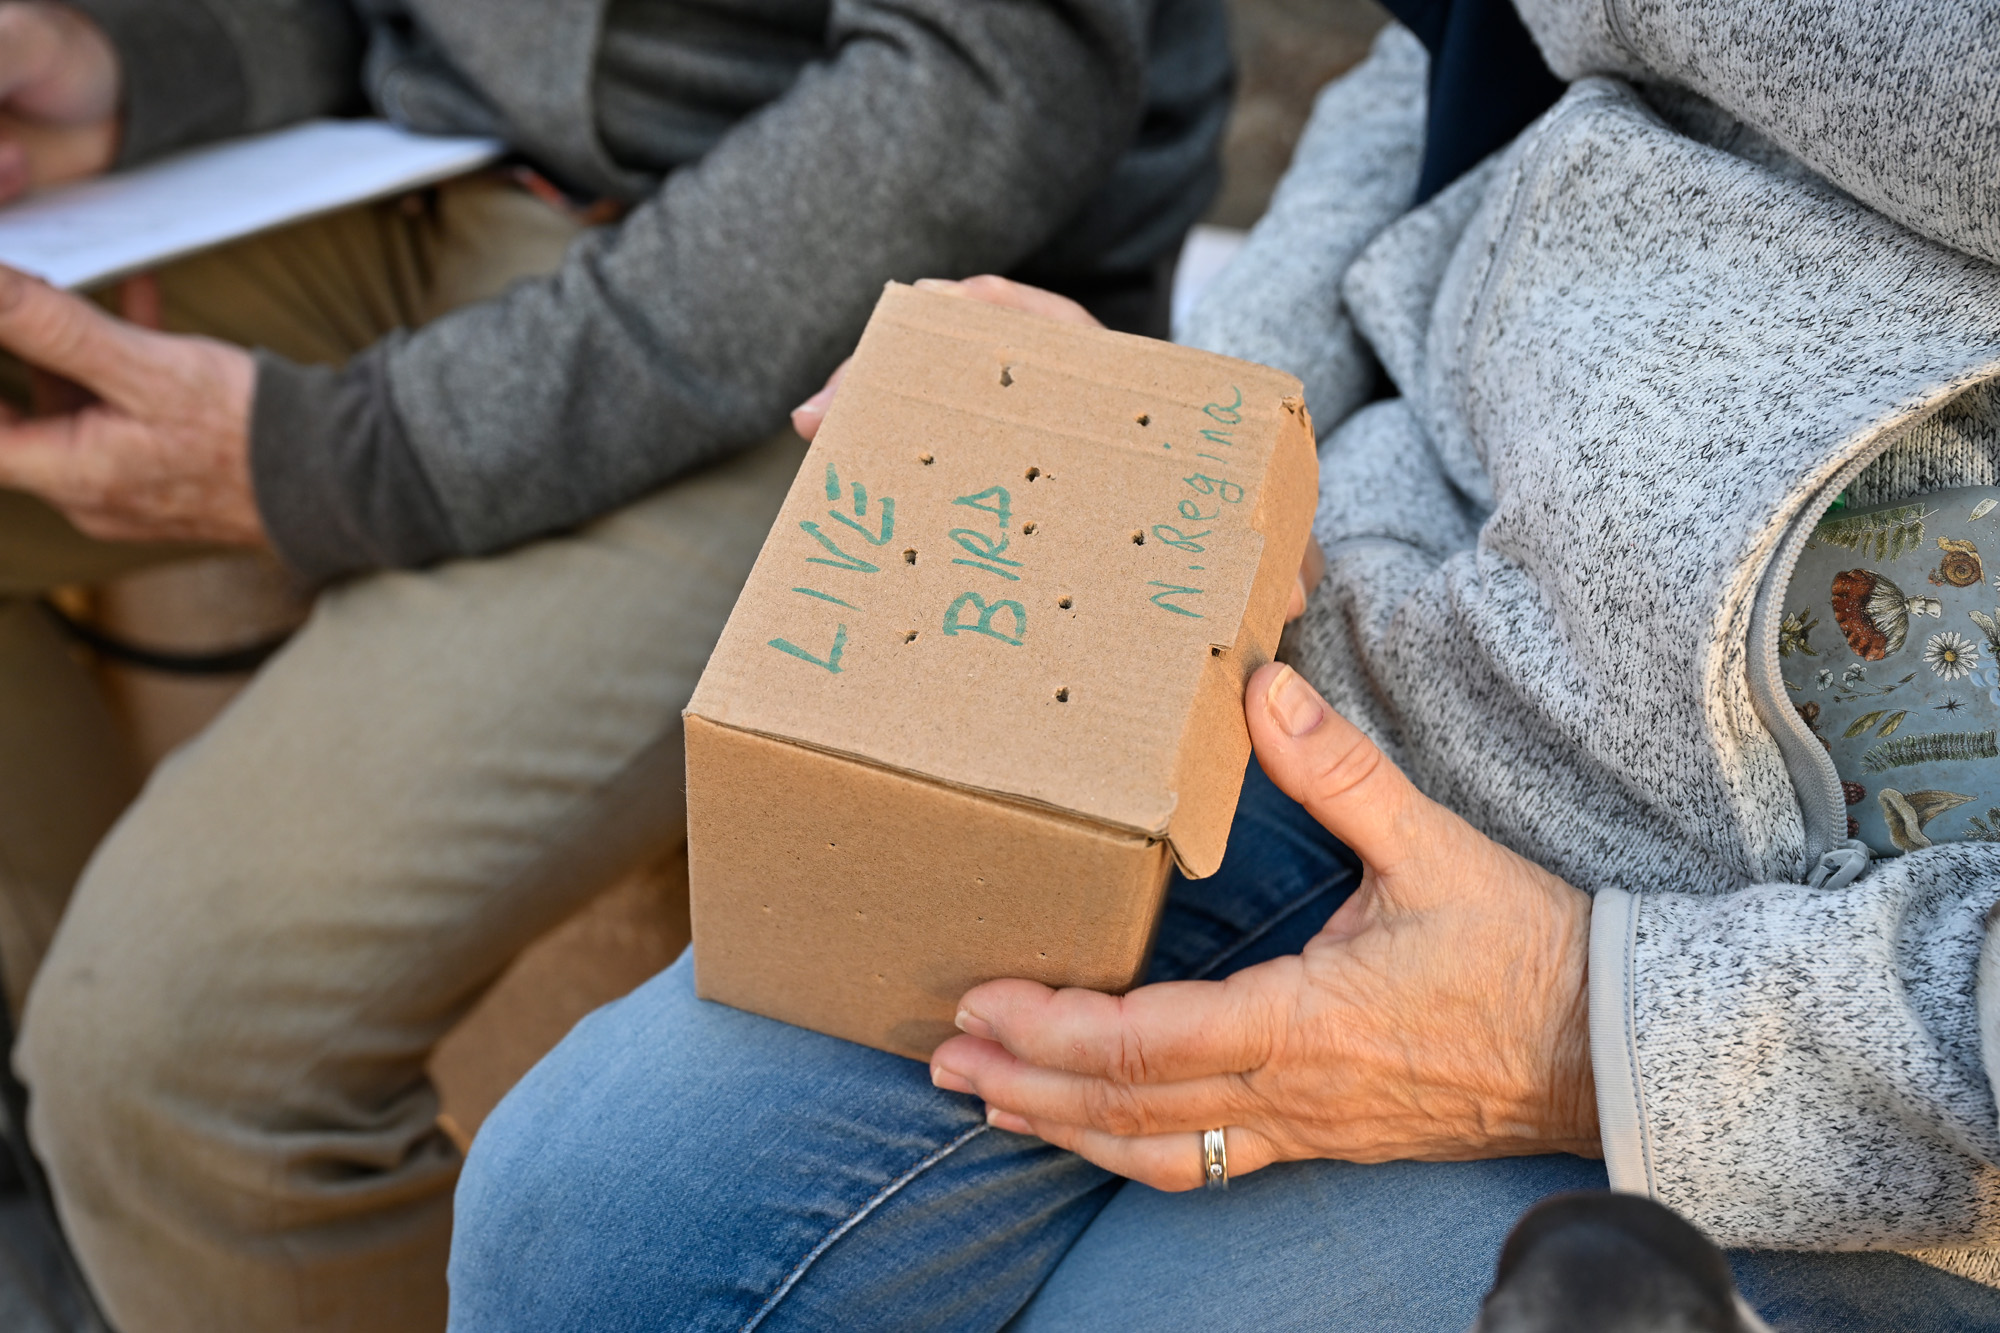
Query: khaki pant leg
x=323 y=290
x=315 y=292
x=227 y=1043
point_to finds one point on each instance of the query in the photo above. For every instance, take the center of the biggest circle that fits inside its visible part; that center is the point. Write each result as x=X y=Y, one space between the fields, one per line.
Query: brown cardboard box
x=984 y=686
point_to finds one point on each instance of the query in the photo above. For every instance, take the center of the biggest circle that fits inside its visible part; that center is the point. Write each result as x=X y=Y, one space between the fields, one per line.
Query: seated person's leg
x=315 y=292
x=66 y=768
x=677 y=1162
x=1410 y=1247
x=1403 y=1247
x=321 y=291
x=680 y=1161
x=226 y=1045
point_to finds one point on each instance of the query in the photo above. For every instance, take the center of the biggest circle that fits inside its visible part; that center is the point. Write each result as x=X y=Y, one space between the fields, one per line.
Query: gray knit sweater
x=786 y=158
x=1635 y=357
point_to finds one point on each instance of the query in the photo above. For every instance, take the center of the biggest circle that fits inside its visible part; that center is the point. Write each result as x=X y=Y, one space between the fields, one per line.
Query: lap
x=1400 y=1247
x=676 y=1159
x=317 y=291
x=321 y=290
x=678 y=1162
x=1410 y=1247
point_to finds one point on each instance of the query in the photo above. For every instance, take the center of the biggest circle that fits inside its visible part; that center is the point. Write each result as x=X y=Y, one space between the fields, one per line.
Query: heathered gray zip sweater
x=1636 y=355
x=786 y=158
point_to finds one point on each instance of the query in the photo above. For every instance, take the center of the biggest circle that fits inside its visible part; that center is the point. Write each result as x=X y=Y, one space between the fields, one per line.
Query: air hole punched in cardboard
x=961 y=723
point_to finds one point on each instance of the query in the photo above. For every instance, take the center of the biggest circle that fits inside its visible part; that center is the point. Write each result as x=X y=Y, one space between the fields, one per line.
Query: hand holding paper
x=59 y=92
x=163 y=455
x=1438 y=1016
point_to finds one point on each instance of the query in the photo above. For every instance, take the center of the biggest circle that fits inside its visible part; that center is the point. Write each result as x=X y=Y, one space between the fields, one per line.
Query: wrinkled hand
x=807 y=416
x=1440 y=1015
x=163 y=455
x=59 y=91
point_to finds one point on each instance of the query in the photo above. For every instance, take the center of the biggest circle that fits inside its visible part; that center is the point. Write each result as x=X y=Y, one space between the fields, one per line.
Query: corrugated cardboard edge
x=1042 y=809
x=1215 y=748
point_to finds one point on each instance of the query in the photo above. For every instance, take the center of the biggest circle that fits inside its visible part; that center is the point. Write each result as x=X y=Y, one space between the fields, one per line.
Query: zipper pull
x=1841 y=865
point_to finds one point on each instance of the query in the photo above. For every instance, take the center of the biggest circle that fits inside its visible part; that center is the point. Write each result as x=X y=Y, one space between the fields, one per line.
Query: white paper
x=81 y=234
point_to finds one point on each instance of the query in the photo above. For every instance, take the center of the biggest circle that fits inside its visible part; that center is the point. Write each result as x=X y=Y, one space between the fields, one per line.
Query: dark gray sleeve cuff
x=183 y=80
x=339 y=488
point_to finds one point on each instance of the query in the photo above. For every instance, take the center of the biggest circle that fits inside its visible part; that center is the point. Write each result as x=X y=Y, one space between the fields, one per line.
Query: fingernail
x=1292 y=704
x=818 y=400
x=949 y=1080
x=936 y=284
x=973 y=1025
x=1007 y=1120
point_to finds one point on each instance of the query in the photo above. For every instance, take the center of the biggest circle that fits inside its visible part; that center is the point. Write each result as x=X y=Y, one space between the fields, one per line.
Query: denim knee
x=677 y=1163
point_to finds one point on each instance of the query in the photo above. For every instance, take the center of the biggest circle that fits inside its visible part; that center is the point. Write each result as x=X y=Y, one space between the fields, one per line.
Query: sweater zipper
x=1817 y=782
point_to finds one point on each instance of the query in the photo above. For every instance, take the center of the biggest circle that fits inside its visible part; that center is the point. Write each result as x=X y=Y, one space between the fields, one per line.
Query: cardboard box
x=984 y=686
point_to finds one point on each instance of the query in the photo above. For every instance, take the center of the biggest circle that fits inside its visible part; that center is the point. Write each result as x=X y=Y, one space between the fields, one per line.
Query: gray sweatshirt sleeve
x=1753 y=1049
x=349 y=491
x=939 y=138
x=1898 y=104
x=196 y=71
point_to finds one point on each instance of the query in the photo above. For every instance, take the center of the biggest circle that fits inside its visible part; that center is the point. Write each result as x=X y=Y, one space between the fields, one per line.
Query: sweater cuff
x=1614 y=1057
x=182 y=83
x=337 y=484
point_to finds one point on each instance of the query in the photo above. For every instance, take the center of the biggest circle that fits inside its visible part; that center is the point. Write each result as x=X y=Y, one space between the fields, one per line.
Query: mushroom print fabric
x=1889 y=645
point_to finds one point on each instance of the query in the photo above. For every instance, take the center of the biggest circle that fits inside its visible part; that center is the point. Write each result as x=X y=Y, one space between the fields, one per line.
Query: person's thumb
x=1325 y=763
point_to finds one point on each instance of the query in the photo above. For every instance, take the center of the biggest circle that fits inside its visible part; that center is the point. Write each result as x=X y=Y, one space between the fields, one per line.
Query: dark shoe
x=1600 y=1262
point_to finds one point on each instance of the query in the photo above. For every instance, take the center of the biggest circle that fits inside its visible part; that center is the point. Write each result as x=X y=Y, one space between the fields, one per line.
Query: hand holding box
x=983 y=687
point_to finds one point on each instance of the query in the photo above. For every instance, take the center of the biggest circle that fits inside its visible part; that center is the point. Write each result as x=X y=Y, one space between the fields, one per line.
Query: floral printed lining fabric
x=1890 y=650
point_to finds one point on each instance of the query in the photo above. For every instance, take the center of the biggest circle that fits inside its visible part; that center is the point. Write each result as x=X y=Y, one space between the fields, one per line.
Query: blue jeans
x=676 y=1164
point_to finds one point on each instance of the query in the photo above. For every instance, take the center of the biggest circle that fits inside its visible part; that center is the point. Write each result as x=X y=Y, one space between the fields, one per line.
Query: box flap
x=1034 y=560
